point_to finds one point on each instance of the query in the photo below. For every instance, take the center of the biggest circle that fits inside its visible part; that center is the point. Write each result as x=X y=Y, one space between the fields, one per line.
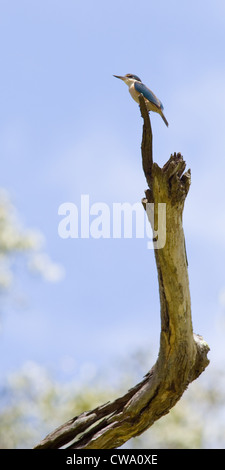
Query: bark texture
x=182 y=355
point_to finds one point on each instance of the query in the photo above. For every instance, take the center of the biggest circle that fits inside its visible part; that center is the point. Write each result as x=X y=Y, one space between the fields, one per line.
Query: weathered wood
x=182 y=355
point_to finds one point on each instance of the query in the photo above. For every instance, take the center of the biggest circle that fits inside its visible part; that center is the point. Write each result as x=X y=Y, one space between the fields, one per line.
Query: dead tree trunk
x=182 y=355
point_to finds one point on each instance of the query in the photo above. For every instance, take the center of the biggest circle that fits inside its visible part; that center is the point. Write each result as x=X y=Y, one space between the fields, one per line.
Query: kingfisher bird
x=136 y=87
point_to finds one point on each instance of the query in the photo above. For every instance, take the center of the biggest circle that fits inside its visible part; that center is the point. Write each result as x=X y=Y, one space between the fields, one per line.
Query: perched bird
x=136 y=87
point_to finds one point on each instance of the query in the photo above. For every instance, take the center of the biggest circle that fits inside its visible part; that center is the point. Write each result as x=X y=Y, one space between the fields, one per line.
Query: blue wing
x=148 y=94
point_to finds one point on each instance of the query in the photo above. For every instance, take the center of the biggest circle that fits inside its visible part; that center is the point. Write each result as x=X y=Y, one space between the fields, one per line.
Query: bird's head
x=129 y=78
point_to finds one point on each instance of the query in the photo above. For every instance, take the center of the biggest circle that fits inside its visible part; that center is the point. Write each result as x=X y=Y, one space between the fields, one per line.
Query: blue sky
x=68 y=127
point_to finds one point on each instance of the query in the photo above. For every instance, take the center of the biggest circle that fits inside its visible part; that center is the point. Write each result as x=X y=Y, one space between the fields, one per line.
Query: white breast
x=134 y=93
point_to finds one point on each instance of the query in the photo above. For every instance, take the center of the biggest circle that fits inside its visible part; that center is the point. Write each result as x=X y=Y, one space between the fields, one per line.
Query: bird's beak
x=118 y=76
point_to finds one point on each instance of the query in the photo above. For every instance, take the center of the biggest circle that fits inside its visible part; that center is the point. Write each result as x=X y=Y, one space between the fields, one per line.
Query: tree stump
x=182 y=355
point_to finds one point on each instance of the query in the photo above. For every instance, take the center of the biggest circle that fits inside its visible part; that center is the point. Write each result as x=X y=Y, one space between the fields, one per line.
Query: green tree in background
x=18 y=243
x=32 y=402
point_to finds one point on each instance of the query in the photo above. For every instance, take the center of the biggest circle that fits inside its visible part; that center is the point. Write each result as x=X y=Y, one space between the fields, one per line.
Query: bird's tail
x=164 y=119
